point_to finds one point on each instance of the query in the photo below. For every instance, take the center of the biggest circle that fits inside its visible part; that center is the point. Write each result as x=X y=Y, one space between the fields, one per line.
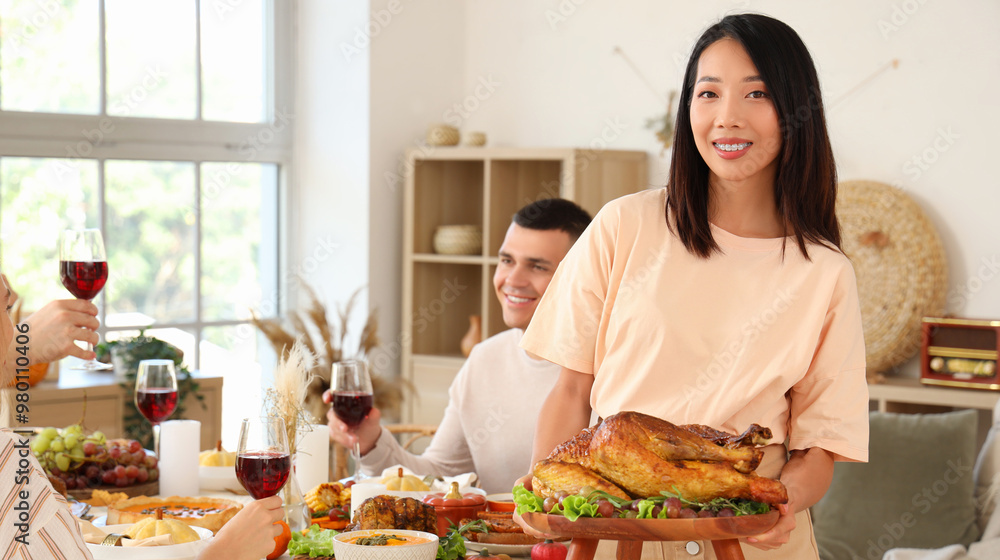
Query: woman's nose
x=730 y=113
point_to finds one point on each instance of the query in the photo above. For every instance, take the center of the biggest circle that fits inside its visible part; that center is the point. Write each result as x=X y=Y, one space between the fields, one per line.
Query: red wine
x=352 y=407
x=156 y=404
x=263 y=473
x=83 y=279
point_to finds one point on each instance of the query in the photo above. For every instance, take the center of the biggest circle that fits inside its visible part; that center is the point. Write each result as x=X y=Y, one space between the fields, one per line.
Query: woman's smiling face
x=733 y=119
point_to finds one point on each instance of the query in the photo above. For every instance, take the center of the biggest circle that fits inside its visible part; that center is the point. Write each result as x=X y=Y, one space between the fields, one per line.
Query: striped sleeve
x=30 y=501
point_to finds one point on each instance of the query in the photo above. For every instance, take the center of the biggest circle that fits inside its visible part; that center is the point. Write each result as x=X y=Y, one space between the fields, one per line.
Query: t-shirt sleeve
x=829 y=406
x=565 y=326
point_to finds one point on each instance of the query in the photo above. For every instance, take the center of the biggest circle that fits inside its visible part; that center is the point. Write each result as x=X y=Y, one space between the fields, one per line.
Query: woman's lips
x=731 y=148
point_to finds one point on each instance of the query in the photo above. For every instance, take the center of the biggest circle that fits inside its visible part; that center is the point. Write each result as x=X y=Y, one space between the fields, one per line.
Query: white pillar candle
x=312 y=458
x=362 y=491
x=179 y=442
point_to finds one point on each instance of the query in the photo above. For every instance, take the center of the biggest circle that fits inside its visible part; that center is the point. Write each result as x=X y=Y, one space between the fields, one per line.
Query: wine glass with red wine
x=83 y=268
x=156 y=394
x=262 y=458
x=351 y=389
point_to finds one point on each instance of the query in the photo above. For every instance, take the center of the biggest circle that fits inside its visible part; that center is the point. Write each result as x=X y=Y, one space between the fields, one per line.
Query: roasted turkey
x=388 y=512
x=636 y=455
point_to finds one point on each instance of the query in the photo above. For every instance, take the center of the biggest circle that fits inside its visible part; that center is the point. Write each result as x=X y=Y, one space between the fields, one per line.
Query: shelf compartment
x=514 y=184
x=445 y=193
x=444 y=296
x=432 y=376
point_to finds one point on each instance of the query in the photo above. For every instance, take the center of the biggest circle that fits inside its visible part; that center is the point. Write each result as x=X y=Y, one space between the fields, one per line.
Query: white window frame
x=50 y=135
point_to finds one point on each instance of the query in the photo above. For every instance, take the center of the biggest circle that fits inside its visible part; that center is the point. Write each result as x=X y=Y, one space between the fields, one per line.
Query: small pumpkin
x=404 y=482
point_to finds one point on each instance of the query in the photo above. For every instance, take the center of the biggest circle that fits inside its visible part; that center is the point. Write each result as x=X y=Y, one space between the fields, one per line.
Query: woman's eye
x=707 y=94
x=758 y=95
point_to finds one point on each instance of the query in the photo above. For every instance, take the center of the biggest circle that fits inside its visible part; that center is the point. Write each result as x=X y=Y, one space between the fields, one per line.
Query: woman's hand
x=249 y=535
x=526 y=482
x=367 y=432
x=779 y=534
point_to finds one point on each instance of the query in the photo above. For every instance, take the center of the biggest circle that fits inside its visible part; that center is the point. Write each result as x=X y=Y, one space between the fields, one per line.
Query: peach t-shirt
x=741 y=337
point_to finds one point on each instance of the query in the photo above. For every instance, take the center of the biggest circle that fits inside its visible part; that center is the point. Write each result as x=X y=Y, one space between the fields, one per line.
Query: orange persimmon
x=281 y=541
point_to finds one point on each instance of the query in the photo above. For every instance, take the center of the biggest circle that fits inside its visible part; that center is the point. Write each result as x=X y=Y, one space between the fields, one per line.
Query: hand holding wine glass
x=83 y=269
x=352 y=399
x=156 y=394
x=263 y=462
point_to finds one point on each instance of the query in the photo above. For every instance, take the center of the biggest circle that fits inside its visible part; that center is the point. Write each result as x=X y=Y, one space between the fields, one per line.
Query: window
x=165 y=123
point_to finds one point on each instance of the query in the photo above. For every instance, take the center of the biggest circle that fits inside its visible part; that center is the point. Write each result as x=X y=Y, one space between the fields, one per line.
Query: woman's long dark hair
x=805 y=186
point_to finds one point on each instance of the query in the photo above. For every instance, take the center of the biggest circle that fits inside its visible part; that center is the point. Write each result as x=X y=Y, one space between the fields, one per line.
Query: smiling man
x=489 y=424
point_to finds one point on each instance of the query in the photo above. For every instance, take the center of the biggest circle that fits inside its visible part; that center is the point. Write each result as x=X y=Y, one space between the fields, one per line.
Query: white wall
x=556 y=81
x=328 y=225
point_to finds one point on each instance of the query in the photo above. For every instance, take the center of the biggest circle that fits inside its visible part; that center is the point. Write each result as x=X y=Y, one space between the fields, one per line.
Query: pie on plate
x=209 y=513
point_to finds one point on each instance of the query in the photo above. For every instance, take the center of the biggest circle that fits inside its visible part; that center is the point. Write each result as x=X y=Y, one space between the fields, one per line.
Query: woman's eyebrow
x=717 y=80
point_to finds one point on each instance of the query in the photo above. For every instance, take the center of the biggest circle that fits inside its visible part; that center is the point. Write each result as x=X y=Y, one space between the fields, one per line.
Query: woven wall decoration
x=900 y=264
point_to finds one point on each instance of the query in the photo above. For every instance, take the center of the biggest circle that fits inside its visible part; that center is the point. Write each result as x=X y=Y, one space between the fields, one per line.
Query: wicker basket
x=442 y=135
x=458 y=240
x=900 y=265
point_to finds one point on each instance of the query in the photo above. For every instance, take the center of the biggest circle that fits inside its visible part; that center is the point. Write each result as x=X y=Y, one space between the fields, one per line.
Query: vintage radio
x=960 y=353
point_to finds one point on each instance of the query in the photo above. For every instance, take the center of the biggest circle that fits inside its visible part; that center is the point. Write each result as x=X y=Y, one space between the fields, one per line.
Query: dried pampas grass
x=326 y=342
x=286 y=400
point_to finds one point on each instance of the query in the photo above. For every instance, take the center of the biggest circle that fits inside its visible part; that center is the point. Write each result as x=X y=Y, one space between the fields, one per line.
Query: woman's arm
x=807 y=476
x=565 y=413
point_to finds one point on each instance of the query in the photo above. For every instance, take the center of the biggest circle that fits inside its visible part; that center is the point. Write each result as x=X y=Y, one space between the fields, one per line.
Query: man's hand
x=56 y=327
x=367 y=433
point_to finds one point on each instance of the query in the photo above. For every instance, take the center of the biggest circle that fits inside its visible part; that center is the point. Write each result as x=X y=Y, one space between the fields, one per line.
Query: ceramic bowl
x=344 y=550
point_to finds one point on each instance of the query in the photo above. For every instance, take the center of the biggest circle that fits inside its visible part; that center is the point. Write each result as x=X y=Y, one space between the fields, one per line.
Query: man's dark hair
x=554 y=213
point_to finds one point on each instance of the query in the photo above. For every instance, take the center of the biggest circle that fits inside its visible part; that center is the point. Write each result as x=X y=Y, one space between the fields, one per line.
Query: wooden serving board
x=145 y=489
x=587 y=531
x=701 y=529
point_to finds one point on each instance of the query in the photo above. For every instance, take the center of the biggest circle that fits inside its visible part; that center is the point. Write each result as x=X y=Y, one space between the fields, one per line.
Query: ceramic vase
x=473 y=336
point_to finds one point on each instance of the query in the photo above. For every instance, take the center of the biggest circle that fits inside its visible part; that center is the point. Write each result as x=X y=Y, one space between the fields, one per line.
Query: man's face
x=528 y=259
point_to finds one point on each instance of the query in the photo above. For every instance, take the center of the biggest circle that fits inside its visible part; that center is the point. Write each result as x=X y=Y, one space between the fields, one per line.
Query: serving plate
x=186 y=551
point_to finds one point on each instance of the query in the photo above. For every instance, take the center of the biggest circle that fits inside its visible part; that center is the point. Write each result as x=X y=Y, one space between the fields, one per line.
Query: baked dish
x=209 y=513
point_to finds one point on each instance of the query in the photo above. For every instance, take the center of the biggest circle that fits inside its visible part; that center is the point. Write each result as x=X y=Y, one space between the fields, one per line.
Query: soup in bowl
x=385 y=544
